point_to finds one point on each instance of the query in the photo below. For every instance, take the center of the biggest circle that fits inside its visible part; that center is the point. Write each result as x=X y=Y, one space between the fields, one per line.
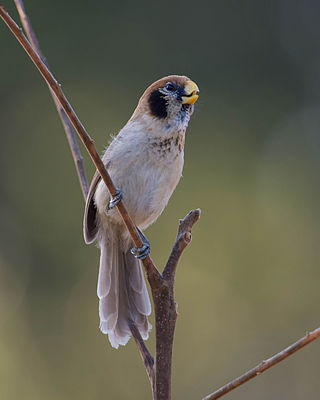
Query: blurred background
x=248 y=285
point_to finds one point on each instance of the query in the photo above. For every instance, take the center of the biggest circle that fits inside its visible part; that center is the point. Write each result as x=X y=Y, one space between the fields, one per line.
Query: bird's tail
x=122 y=293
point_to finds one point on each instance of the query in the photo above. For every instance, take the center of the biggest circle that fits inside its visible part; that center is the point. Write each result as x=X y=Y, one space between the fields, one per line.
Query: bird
x=145 y=161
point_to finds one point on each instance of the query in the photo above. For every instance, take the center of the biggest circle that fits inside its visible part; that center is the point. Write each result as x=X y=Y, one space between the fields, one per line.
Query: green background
x=248 y=285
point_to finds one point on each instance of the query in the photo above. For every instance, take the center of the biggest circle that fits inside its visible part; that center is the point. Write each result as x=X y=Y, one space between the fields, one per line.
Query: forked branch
x=166 y=309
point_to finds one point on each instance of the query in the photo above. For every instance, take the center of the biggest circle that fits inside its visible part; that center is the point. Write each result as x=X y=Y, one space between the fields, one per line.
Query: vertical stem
x=165 y=316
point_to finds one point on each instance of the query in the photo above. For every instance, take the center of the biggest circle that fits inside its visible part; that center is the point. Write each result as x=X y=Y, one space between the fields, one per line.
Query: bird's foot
x=142 y=252
x=116 y=199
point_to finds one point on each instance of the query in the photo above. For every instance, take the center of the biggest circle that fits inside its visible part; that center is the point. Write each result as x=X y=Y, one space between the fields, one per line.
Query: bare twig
x=77 y=158
x=264 y=365
x=182 y=241
x=152 y=273
x=147 y=358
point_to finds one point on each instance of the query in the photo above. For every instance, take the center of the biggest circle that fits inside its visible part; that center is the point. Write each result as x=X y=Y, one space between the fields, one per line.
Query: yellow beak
x=191 y=90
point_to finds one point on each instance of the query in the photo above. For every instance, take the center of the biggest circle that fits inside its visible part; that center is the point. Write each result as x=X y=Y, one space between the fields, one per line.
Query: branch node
x=187 y=237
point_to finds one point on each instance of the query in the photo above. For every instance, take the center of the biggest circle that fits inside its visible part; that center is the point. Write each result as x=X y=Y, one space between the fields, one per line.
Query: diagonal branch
x=264 y=365
x=153 y=274
x=147 y=358
x=77 y=158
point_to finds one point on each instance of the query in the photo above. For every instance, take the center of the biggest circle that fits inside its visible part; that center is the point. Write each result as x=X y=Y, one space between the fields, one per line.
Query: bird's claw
x=142 y=252
x=116 y=199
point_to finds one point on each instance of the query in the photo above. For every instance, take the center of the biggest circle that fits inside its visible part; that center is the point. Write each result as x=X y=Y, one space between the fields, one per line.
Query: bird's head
x=169 y=101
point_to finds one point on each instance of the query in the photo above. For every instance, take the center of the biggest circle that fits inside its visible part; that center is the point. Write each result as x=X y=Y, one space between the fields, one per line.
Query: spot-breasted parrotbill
x=145 y=162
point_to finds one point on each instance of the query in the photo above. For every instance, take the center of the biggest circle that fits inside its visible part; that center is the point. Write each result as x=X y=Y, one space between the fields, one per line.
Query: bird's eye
x=170 y=87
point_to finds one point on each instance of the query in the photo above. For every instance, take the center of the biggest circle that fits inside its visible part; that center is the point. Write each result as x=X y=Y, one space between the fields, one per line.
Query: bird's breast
x=153 y=179
x=147 y=173
x=167 y=149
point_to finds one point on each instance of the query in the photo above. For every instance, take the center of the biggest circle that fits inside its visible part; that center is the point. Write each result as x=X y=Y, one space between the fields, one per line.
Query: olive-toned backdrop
x=248 y=285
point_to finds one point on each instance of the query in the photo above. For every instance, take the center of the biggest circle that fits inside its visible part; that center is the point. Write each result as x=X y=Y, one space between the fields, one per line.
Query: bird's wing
x=90 y=227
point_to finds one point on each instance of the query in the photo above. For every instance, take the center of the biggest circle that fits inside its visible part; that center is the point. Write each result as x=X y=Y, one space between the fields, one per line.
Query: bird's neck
x=157 y=137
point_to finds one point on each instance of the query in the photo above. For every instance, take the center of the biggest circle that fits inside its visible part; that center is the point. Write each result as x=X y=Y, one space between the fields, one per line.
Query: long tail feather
x=122 y=293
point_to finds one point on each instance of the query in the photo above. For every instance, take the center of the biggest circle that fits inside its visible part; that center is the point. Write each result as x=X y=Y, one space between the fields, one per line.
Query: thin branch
x=264 y=365
x=182 y=241
x=153 y=274
x=146 y=356
x=77 y=158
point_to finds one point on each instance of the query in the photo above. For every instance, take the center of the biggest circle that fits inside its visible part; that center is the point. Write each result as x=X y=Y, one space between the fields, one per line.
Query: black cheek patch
x=157 y=104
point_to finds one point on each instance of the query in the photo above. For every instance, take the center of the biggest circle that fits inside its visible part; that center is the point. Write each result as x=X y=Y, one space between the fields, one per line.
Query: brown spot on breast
x=163 y=146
